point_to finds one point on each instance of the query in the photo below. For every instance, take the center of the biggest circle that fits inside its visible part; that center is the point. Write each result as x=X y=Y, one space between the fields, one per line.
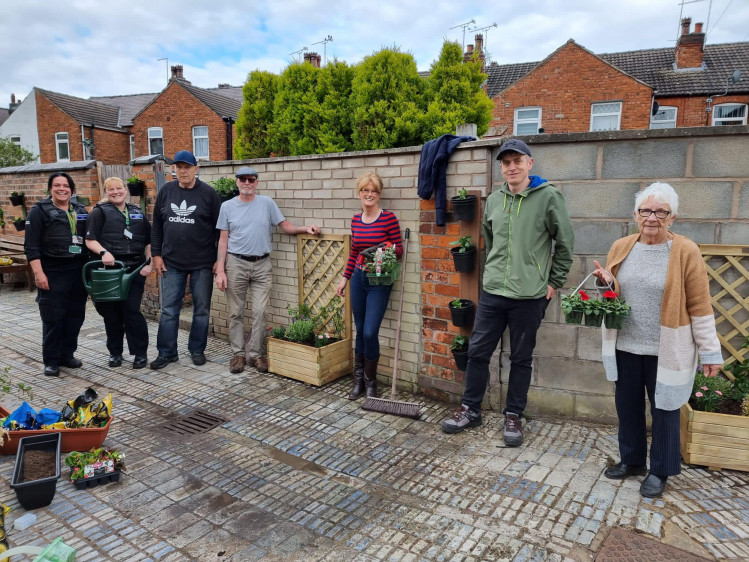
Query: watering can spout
x=106 y=285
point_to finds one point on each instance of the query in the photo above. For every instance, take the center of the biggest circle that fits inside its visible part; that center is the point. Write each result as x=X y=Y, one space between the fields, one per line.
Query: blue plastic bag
x=25 y=417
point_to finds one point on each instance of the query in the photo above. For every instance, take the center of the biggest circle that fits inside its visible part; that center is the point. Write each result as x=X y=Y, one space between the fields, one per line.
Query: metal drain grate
x=625 y=546
x=197 y=422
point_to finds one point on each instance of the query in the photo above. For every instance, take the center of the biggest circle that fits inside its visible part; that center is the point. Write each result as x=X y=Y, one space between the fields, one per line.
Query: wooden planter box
x=714 y=440
x=311 y=365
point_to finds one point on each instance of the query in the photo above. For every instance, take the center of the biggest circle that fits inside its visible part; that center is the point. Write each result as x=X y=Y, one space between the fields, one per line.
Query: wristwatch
x=101 y=254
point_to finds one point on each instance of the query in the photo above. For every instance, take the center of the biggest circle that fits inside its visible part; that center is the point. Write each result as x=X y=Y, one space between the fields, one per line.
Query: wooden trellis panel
x=322 y=261
x=728 y=269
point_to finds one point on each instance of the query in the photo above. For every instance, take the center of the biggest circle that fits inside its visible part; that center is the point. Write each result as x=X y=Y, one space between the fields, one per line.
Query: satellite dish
x=736 y=76
x=656 y=107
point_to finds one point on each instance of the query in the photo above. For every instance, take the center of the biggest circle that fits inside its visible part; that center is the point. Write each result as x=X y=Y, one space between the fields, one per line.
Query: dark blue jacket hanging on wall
x=433 y=170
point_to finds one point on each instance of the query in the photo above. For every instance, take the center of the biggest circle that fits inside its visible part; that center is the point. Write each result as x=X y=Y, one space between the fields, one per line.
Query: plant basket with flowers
x=381 y=265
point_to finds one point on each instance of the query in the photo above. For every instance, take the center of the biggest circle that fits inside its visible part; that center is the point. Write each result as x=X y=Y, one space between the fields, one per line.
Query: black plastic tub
x=36 y=493
x=106 y=478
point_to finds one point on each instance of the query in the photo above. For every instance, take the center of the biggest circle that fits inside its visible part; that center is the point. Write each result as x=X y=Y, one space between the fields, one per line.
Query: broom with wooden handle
x=393 y=406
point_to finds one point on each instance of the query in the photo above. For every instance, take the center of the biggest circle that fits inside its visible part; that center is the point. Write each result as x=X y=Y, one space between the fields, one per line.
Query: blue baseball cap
x=514 y=145
x=185 y=156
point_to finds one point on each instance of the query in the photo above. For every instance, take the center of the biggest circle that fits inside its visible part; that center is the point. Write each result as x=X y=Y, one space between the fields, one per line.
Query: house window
x=606 y=116
x=729 y=114
x=155 y=140
x=15 y=139
x=63 y=147
x=664 y=118
x=527 y=120
x=200 y=142
x=132 y=147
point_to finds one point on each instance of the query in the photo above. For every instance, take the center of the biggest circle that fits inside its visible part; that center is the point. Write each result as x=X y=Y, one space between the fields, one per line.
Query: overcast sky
x=90 y=48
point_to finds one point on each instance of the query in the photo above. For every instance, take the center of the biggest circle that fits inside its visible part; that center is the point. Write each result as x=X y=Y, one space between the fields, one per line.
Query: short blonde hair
x=113 y=179
x=370 y=177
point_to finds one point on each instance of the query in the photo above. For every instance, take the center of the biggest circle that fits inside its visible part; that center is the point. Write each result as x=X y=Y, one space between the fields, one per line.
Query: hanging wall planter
x=19 y=224
x=462 y=312
x=465 y=260
x=37 y=470
x=459 y=349
x=17 y=198
x=464 y=206
x=136 y=188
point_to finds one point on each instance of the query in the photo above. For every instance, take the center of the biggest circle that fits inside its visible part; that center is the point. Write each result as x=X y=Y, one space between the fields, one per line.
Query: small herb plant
x=462 y=193
x=463 y=243
x=460 y=343
x=19 y=220
x=457 y=303
x=310 y=328
x=133 y=179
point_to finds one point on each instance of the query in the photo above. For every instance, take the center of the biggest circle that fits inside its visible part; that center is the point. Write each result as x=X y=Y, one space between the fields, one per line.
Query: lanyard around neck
x=72 y=217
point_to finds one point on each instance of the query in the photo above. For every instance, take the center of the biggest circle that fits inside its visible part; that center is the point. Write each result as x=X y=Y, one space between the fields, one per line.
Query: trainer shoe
x=462 y=418
x=237 y=364
x=513 y=431
x=163 y=361
x=198 y=358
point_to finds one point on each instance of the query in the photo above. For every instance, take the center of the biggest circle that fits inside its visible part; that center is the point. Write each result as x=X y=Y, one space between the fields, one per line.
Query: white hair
x=661 y=193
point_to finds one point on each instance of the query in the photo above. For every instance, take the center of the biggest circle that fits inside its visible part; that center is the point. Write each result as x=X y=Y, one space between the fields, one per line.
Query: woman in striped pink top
x=373 y=226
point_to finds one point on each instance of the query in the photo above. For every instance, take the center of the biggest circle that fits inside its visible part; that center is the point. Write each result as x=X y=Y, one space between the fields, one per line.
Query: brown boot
x=370 y=377
x=358 y=389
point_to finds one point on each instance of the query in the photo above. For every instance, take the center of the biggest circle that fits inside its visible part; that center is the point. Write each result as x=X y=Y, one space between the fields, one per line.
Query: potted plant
x=462 y=312
x=36 y=470
x=312 y=348
x=464 y=205
x=459 y=349
x=17 y=198
x=573 y=307
x=19 y=223
x=593 y=309
x=614 y=310
x=464 y=255
x=382 y=266
x=226 y=188
x=714 y=423
x=135 y=186
x=97 y=466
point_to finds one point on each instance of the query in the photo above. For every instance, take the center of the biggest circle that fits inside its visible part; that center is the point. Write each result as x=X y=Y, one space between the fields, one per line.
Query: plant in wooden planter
x=715 y=421
x=464 y=254
x=19 y=223
x=462 y=312
x=17 y=198
x=459 y=349
x=464 y=205
x=135 y=186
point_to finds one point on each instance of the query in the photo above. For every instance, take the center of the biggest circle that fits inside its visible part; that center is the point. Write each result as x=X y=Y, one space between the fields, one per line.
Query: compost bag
x=84 y=411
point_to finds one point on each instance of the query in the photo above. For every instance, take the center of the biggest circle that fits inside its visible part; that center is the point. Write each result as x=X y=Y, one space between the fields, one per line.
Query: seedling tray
x=102 y=479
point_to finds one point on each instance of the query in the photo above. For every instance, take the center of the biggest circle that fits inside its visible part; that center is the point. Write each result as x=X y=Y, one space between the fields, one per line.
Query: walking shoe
x=462 y=417
x=261 y=364
x=115 y=360
x=237 y=364
x=140 y=361
x=163 y=361
x=71 y=363
x=620 y=470
x=512 y=434
x=52 y=370
x=198 y=358
x=653 y=485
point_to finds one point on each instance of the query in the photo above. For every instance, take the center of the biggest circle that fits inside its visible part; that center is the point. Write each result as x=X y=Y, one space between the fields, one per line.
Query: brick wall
x=565 y=85
x=177 y=112
x=112 y=147
x=691 y=111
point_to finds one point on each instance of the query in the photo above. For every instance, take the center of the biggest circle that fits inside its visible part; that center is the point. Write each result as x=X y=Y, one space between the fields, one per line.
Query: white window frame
x=15 y=139
x=195 y=138
x=152 y=134
x=59 y=141
x=729 y=120
x=664 y=123
x=526 y=120
x=618 y=115
x=132 y=147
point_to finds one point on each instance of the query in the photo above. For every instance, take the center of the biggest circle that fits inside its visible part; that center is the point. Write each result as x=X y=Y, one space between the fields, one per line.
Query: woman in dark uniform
x=117 y=230
x=54 y=247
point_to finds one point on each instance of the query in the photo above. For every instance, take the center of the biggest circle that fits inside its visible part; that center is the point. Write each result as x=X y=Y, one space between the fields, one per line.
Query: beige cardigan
x=687 y=322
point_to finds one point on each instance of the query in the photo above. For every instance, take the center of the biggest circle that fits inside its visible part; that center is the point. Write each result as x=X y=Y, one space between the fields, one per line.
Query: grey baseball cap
x=246 y=171
x=514 y=145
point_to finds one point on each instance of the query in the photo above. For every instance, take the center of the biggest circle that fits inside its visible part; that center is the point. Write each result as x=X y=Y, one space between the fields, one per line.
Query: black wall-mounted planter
x=461 y=358
x=16 y=200
x=36 y=493
x=136 y=188
x=464 y=209
x=463 y=317
x=465 y=262
x=20 y=225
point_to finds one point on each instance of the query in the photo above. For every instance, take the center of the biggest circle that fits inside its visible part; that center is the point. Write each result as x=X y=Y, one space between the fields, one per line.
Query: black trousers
x=637 y=376
x=63 y=310
x=493 y=315
x=124 y=319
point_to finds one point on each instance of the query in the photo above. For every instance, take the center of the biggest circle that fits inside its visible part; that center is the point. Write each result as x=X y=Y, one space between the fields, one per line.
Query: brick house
x=184 y=117
x=575 y=90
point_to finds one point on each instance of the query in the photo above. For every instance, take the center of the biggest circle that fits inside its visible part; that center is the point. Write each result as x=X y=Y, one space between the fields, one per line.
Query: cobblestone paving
x=301 y=473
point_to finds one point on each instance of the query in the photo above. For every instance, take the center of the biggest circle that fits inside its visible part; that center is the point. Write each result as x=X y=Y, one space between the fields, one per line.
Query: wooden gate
x=728 y=270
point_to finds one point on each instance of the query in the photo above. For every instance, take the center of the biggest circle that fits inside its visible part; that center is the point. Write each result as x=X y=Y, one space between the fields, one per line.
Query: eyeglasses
x=659 y=214
x=250 y=179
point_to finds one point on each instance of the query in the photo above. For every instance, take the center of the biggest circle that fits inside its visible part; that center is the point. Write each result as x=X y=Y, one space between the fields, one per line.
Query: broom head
x=405 y=409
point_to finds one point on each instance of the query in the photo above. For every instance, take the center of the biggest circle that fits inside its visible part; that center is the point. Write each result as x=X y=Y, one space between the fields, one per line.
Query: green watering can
x=107 y=285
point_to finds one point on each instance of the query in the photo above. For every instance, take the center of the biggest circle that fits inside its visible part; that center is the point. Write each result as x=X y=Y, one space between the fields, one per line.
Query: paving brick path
x=300 y=473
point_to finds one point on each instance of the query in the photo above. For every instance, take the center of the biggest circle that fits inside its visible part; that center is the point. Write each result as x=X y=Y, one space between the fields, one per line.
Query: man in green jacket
x=521 y=219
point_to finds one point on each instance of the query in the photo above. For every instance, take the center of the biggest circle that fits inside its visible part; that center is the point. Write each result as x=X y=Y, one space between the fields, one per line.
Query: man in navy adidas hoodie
x=183 y=243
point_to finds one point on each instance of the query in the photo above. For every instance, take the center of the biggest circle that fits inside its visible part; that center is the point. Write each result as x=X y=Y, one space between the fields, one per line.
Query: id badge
x=128 y=234
x=73 y=249
x=77 y=240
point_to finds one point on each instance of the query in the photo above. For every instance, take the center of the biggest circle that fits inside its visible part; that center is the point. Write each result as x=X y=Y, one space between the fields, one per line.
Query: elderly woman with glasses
x=663 y=278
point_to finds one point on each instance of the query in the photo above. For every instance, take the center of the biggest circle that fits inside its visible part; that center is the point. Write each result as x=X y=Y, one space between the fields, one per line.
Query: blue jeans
x=369 y=303
x=172 y=292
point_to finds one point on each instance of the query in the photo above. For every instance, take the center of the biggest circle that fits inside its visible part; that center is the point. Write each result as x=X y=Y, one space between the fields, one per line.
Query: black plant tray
x=84 y=483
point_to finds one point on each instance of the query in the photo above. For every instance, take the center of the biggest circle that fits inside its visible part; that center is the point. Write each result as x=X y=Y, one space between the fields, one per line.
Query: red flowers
x=584 y=296
x=610 y=294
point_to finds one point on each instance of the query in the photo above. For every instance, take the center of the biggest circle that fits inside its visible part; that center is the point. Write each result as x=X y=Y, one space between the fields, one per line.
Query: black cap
x=514 y=145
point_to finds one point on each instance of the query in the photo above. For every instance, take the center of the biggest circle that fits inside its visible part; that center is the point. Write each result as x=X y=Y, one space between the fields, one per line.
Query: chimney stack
x=313 y=58
x=13 y=104
x=690 y=46
x=177 y=72
x=479 y=42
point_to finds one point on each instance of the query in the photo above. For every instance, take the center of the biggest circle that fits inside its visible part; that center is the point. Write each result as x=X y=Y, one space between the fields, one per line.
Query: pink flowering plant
x=720 y=393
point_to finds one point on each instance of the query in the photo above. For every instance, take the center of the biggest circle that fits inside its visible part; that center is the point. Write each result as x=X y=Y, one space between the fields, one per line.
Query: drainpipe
x=93 y=146
x=83 y=143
